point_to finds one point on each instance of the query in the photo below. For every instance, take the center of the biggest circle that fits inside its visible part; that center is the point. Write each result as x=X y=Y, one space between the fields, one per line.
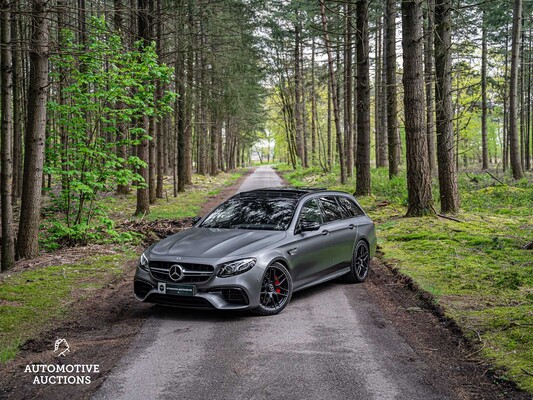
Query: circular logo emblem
x=176 y=272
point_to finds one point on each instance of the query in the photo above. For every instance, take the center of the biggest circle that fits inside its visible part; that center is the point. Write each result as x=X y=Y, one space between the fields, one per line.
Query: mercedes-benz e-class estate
x=257 y=248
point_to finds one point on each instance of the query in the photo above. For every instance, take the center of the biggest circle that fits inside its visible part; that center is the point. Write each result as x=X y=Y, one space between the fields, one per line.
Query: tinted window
x=331 y=209
x=252 y=213
x=311 y=212
x=349 y=207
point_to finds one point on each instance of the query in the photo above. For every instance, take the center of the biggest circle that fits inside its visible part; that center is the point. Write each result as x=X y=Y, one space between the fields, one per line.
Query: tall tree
x=391 y=95
x=419 y=197
x=348 y=85
x=27 y=245
x=484 y=141
x=6 y=110
x=428 y=74
x=514 y=154
x=143 y=198
x=362 y=161
x=333 y=91
x=449 y=196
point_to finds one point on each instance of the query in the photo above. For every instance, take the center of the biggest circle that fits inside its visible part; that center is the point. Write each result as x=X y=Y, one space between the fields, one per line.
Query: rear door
x=339 y=233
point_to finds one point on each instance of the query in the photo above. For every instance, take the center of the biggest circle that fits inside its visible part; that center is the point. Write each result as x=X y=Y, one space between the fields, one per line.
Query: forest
x=422 y=109
x=103 y=96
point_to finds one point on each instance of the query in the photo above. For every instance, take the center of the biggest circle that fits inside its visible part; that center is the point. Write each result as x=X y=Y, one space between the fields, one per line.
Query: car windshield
x=252 y=213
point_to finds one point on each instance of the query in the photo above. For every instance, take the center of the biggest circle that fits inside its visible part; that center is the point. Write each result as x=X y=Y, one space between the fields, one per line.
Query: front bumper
x=240 y=292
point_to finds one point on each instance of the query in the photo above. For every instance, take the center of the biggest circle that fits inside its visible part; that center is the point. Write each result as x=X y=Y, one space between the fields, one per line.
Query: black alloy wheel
x=360 y=263
x=276 y=290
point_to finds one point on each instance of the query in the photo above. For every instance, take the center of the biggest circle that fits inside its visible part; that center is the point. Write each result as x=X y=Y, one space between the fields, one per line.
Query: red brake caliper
x=276 y=282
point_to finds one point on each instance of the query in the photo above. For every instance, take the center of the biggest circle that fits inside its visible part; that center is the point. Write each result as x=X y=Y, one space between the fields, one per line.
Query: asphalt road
x=331 y=342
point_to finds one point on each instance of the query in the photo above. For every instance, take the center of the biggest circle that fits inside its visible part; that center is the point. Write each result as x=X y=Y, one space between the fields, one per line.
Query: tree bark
x=27 y=244
x=449 y=196
x=484 y=143
x=428 y=74
x=6 y=109
x=392 y=106
x=143 y=198
x=514 y=154
x=333 y=91
x=348 y=135
x=420 y=200
x=362 y=162
x=298 y=112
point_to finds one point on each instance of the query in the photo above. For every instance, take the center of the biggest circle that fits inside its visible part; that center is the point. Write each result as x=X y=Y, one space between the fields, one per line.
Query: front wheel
x=276 y=290
x=360 y=263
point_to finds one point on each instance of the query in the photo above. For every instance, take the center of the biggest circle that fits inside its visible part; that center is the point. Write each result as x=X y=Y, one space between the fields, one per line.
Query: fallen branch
x=448 y=217
x=493 y=177
x=527 y=372
x=528 y=246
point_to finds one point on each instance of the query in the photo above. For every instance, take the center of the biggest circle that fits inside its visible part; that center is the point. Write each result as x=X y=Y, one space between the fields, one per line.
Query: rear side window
x=311 y=212
x=331 y=209
x=349 y=207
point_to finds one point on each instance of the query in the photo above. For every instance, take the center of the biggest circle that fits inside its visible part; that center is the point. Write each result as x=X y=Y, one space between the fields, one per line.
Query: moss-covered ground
x=33 y=299
x=477 y=269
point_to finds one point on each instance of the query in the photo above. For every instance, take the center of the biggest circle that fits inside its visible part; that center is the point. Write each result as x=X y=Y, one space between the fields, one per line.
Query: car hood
x=215 y=243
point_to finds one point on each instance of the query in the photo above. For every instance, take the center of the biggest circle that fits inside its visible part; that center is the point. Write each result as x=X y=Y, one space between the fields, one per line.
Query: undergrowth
x=477 y=269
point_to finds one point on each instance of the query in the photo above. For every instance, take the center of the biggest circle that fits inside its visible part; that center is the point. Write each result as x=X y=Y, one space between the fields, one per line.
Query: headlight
x=143 y=262
x=236 y=267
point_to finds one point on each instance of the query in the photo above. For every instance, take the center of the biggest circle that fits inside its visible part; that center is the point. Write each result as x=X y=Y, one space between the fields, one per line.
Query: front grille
x=179 y=301
x=235 y=296
x=141 y=288
x=193 y=273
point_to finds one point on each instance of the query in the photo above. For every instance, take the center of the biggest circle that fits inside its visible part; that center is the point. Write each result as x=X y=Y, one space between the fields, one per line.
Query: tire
x=276 y=290
x=360 y=265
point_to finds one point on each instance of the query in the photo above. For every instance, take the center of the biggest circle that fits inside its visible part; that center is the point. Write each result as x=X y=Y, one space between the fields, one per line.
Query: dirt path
x=379 y=340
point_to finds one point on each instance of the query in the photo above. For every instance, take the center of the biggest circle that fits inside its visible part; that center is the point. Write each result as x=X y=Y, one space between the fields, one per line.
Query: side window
x=331 y=209
x=349 y=207
x=311 y=212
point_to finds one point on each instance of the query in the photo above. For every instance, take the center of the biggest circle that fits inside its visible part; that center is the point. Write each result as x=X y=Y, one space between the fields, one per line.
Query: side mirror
x=308 y=226
x=195 y=220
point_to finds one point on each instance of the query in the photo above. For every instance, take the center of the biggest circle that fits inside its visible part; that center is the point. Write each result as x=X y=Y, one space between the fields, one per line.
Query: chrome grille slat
x=192 y=273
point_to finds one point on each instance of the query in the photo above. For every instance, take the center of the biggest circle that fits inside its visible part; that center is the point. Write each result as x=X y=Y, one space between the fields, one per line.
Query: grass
x=186 y=204
x=476 y=269
x=33 y=299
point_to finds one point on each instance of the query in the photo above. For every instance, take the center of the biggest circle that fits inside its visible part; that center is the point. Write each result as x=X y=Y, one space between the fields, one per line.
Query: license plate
x=176 y=290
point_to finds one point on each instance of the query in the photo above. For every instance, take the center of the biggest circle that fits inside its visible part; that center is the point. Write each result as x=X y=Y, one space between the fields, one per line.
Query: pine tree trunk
x=514 y=149
x=420 y=200
x=428 y=74
x=392 y=106
x=348 y=79
x=333 y=91
x=362 y=162
x=18 y=112
x=143 y=198
x=449 y=196
x=298 y=117
x=484 y=143
x=27 y=244
x=6 y=137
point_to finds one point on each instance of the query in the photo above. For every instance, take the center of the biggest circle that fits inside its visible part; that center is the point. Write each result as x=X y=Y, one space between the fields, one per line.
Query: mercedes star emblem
x=176 y=272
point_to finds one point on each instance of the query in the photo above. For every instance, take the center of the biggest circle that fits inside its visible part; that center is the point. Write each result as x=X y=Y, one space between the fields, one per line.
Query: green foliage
x=105 y=88
x=477 y=269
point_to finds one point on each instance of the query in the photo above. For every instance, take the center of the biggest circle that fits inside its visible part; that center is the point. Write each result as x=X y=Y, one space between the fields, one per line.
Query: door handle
x=325 y=232
x=351 y=226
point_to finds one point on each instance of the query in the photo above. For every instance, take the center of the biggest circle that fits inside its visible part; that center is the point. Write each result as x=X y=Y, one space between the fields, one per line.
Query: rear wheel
x=276 y=290
x=360 y=263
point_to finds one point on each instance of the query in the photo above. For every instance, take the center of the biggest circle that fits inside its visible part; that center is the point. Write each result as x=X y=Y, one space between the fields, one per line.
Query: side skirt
x=334 y=275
